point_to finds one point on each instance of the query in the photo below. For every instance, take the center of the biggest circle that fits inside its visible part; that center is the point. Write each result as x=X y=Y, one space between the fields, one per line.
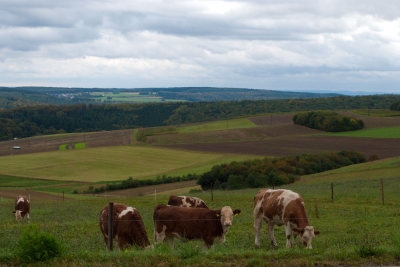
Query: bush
x=35 y=245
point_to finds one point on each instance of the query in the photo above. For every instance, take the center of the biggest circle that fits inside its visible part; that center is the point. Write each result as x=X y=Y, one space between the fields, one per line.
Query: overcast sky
x=280 y=45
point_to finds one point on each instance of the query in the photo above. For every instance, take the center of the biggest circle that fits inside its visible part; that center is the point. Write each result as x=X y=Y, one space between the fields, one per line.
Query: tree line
x=327 y=121
x=254 y=173
x=51 y=119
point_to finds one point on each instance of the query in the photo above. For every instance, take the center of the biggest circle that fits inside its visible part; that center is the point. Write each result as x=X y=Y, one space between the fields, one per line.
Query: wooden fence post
x=383 y=193
x=110 y=225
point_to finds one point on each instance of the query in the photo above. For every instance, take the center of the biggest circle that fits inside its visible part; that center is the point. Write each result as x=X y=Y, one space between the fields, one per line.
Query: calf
x=282 y=207
x=184 y=201
x=21 y=208
x=128 y=227
x=184 y=223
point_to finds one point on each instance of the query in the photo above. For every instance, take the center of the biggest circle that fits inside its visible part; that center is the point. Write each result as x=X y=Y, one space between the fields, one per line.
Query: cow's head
x=226 y=215
x=306 y=235
x=19 y=215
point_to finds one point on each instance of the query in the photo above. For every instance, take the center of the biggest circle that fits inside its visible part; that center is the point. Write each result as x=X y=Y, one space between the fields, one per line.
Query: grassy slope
x=111 y=163
x=355 y=221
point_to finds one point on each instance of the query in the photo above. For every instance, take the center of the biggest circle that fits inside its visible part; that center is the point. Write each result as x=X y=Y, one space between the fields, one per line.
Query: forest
x=50 y=119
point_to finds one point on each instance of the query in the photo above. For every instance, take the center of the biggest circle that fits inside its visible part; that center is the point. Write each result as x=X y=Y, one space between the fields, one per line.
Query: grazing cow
x=184 y=201
x=128 y=227
x=282 y=207
x=21 y=208
x=184 y=223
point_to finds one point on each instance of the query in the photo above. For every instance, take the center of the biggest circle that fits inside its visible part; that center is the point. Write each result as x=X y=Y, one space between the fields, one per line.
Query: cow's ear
x=317 y=232
x=236 y=212
x=13 y=211
x=218 y=213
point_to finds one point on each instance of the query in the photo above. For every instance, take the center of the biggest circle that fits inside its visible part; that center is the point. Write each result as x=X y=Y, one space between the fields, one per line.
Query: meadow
x=356 y=228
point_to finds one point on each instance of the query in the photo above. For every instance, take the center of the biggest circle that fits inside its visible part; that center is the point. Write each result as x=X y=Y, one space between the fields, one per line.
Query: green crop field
x=387 y=132
x=111 y=163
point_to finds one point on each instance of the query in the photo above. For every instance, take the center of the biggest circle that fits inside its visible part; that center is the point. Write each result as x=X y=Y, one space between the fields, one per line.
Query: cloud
x=255 y=44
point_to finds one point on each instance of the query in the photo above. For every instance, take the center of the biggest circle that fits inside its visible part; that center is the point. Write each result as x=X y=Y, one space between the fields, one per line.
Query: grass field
x=112 y=163
x=356 y=229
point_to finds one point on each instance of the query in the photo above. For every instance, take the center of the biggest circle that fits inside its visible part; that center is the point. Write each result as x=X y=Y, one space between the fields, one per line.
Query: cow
x=21 y=208
x=185 y=201
x=128 y=226
x=185 y=223
x=282 y=207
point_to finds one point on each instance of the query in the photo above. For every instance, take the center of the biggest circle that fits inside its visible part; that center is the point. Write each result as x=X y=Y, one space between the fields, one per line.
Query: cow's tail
x=159 y=206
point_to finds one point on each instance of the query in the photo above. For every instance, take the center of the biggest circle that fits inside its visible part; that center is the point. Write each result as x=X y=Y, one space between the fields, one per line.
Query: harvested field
x=279 y=136
x=34 y=196
x=297 y=145
x=53 y=142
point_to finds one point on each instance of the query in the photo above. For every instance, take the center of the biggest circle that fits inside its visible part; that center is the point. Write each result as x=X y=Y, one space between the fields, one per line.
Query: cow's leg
x=159 y=237
x=257 y=227
x=208 y=242
x=27 y=217
x=288 y=231
x=123 y=243
x=271 y=234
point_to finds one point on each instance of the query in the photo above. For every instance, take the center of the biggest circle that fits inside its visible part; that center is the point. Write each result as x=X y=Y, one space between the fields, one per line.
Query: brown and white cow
x=282 y=207
x=21 y=208
x=128 y=226
x=185 y=201
x=184 y=223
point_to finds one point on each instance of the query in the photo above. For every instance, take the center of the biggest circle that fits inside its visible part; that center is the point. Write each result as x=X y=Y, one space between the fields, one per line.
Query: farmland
x=121 y=97
x=356 y=228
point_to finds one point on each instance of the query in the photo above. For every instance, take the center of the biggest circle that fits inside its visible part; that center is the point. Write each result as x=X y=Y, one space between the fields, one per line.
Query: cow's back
x=187 y=223
x=22 y=204
x=127 y=225
x=186 y=201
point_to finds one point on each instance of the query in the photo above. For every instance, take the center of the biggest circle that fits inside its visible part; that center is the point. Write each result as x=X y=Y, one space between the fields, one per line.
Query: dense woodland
x=327 y=121
x=51 y=119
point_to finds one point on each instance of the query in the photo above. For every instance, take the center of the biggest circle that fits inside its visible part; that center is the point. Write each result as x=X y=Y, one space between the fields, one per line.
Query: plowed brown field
x=279 y=136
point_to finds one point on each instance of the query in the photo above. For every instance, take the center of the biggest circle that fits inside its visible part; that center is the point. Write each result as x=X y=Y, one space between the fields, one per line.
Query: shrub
x=35 y=245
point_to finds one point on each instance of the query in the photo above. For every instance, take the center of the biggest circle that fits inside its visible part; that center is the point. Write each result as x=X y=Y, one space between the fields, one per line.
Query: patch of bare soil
x=298 y=145
x=33 y=195
x=279 y=136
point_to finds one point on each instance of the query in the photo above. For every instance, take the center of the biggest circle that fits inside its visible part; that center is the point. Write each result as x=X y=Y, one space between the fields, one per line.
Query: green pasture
x=356 y=229
x=111 y=163
x=387 y=132
x=217 y=125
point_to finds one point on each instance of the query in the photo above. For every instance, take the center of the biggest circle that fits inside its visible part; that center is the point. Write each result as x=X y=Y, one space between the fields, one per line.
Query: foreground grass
x=356 y=229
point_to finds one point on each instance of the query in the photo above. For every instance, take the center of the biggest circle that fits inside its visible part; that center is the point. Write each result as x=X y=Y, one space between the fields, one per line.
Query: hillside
x=11 y=97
